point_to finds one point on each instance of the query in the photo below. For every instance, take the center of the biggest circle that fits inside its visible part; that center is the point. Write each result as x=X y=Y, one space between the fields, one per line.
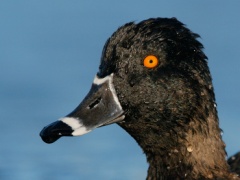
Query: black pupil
x=150 y=61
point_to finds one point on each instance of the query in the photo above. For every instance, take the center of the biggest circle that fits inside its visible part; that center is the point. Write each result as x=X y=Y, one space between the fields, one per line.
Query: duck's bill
x=99 y=108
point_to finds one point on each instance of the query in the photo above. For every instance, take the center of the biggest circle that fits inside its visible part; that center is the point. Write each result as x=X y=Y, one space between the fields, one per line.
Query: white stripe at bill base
x=109 y=78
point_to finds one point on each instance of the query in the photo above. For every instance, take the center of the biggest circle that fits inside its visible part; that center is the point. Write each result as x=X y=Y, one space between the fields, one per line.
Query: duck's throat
x=162 y=168
x=195 y=151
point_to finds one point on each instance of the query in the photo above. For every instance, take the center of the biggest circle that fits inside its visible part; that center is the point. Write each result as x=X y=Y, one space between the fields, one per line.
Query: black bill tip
x=54 y=131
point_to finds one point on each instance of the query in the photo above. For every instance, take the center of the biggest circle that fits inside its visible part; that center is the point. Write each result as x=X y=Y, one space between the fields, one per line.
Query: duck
x=155 y=83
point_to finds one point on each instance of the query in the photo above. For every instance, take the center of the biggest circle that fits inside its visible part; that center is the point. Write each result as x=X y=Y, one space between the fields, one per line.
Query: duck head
x=154 y=81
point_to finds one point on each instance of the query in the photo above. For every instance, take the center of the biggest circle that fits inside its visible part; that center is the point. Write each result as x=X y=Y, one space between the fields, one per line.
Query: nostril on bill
x=95 y=103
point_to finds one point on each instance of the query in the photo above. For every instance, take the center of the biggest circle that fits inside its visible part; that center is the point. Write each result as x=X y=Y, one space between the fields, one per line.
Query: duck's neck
x=198 y=153
x=195 y=152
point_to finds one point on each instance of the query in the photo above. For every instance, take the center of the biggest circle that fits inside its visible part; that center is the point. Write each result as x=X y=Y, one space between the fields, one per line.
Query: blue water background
x=49 y=54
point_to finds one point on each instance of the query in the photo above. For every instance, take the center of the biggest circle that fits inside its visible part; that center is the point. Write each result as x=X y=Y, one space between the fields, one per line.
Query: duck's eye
x=150 y=61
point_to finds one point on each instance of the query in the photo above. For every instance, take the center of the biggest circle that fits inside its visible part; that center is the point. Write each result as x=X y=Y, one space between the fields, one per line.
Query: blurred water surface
x=49 y=54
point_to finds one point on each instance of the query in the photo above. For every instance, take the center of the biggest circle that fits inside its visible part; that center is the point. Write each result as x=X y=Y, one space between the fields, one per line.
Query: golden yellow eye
x=150 y=61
